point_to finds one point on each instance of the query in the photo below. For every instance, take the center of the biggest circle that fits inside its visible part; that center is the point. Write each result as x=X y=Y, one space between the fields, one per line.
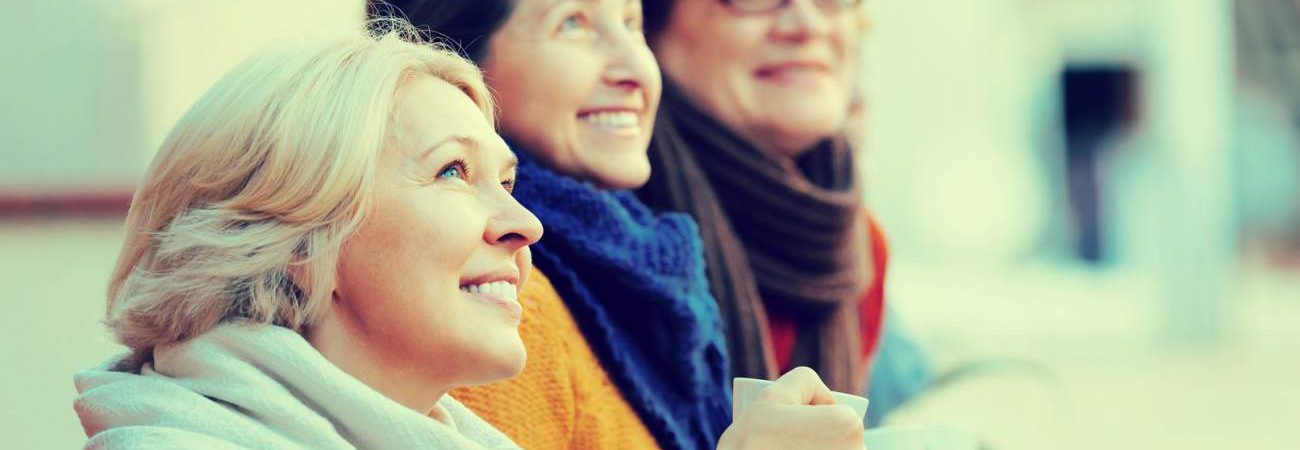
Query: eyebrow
x=469 y=143
x=472 y=146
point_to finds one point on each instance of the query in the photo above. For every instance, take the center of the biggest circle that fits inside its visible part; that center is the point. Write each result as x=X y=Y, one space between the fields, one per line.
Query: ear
x=300 y=276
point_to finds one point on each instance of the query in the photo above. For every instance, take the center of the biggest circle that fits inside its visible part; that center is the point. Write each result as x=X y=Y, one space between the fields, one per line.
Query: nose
x=630 y=66
x=802 y=20
x=513 y=225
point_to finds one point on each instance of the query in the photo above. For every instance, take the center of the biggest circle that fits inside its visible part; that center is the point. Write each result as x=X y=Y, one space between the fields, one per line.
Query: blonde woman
x=323 y=247
x=625 y=343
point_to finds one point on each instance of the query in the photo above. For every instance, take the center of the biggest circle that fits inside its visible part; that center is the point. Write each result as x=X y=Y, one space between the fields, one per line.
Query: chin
x=508 y=368
x=499 y=363
x=629 y=172
x=812 y=123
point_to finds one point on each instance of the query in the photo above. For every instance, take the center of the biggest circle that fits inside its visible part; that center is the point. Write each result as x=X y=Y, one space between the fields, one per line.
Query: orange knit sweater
x=563 y=399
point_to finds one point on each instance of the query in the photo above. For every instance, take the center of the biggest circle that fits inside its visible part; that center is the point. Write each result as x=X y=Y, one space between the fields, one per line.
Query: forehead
x=429 y=108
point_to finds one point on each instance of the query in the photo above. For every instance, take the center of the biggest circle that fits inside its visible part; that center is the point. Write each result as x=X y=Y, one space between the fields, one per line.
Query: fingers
x=834 y=426
x=833 y=420
x=805 y=426
x=795 y=411
x=800 y=386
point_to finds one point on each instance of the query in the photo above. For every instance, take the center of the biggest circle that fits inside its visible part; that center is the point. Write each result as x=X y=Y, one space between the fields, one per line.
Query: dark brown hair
x=464 y=25
x=656 y=14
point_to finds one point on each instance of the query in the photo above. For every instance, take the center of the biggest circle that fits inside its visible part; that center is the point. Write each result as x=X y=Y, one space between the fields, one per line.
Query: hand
x=795 y=412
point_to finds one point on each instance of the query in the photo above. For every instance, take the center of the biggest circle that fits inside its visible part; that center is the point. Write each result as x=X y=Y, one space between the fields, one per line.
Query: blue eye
x=454 y=170
x=573 y=22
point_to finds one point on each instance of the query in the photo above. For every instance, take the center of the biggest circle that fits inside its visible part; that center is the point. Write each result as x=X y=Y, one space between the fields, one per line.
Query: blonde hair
x=245 y=208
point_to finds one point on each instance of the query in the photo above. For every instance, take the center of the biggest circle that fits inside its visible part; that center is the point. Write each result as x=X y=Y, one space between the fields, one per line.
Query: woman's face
x=578 y=86
x=429 y=282
x=781 y=78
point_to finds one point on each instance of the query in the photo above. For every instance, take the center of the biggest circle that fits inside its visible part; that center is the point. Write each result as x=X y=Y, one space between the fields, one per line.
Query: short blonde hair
x=270 y=170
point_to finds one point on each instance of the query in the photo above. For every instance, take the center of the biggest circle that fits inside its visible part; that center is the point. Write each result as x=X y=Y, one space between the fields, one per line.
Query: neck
x=780 y=146
x=357 y=354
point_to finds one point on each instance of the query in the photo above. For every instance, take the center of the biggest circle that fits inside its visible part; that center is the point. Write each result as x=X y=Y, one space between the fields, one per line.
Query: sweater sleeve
x=563 y=399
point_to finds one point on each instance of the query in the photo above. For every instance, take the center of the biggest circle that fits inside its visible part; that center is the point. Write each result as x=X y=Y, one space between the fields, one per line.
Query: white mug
x=745 y=390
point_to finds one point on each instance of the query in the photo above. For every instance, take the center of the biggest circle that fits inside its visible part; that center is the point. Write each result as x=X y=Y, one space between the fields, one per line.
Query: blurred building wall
x=88 y=89
x=965 y=157
x=91 y=87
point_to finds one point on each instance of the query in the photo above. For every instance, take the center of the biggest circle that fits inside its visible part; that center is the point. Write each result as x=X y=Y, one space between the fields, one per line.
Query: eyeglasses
x=762 y=6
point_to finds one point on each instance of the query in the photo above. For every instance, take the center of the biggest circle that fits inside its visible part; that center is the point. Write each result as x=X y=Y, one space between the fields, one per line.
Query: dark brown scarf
x=779 y=235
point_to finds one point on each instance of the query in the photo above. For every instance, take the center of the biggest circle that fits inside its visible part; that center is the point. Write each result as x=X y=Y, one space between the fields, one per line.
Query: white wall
x=88 y=91
x=963 y=99
x=90 y=87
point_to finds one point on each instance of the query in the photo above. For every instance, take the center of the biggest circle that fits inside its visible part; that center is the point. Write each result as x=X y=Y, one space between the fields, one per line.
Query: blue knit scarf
x=635 y=283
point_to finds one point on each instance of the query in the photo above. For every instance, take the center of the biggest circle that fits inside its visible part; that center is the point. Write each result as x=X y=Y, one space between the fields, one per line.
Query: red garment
x=872 y=306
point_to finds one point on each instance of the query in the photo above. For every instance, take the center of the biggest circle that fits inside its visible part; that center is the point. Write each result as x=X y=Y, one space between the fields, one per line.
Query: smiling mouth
x=502 y=294
x=791 y=71
x=619 y=122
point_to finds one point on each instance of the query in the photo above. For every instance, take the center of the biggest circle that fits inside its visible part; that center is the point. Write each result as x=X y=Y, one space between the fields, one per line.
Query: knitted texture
x=563 y=399
x=781 y=236
x=634 y=281
x=870 y=309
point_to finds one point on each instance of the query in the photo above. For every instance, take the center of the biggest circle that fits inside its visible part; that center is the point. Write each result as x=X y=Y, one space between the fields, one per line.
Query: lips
x=502 y=289
x=611 y=119
x=792 y=70
x=622 y=119
x=503 y=294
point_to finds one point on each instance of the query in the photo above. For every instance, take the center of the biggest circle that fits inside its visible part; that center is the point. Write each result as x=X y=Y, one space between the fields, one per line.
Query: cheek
x=654 y=84
x=540 y=97
x=735 y=48
x=567 y=78
x=524 y=261
x=846 y=43
x=711 y=46
x=407 y=256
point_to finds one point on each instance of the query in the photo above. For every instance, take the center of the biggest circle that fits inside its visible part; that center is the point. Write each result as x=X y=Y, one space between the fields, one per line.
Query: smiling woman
x=625 y=343
x=752 y=127
x=578 y=84
x=325 y=244
x=579 y=90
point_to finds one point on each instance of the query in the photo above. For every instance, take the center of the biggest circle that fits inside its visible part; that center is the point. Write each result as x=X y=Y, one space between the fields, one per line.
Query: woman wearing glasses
x=750 y=142
x=625 y=343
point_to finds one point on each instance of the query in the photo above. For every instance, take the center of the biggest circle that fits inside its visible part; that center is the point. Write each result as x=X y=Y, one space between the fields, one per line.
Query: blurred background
x=1093 y=205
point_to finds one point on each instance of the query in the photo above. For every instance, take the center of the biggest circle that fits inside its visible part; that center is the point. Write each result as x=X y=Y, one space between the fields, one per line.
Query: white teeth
x=503 y=289
x=611 y=119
